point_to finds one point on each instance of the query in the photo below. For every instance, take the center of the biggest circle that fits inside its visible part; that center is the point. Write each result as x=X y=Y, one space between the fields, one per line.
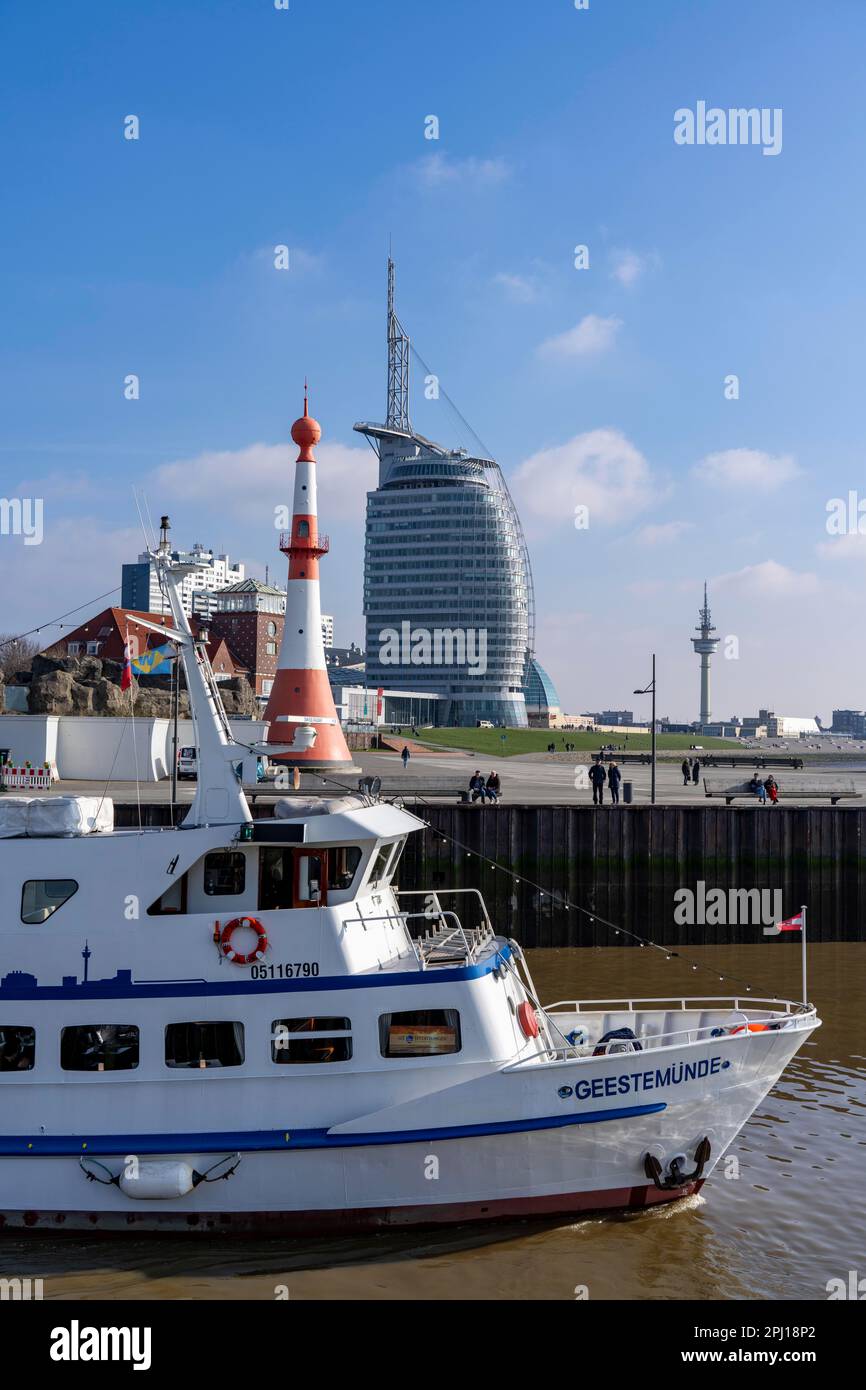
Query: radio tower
x=705 y=646
x=398 y=364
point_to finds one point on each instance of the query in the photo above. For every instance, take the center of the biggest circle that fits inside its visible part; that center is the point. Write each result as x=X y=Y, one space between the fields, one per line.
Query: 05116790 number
x=290 y=970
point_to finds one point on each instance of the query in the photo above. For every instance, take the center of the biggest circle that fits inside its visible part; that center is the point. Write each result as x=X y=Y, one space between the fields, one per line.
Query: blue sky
x=602 y=387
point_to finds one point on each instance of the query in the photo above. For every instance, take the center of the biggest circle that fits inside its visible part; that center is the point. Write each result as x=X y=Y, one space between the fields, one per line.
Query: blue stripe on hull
x=183 y=989
x=271 y=1140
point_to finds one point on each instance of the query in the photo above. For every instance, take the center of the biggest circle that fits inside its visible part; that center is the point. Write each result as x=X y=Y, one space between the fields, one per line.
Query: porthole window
x=17 y=1048
x=99 y=1047
x=202 y=1045
x=420 y=1033
x=311 y=1040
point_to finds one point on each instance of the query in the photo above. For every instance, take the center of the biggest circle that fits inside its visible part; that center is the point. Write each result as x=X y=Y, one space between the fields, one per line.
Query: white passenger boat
x=235 y=1025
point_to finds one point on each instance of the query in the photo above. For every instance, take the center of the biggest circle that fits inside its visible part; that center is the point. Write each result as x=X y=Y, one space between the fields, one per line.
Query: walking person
x=597 y=777
x=696 y=772
x=686 y=771
x=614 y=777
x=405 y=756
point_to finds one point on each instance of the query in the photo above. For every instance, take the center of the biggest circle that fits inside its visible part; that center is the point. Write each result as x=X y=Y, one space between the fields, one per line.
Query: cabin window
x=380 y=865
x=40 y=897
x=343 y=865
x=224 y=873
x=17 y=1048
x=99 y=1047
x=276 y=878
x=202 y=1045
x=173 y=900
x=392 y=868
x=420 y=1033
x=311 y=1040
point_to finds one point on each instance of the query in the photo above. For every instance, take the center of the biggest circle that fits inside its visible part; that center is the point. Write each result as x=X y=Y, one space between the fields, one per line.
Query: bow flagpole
x=797 y=923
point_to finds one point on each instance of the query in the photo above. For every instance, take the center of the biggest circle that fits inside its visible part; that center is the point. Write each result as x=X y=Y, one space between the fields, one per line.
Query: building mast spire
x=398 y=364
x=705 y=647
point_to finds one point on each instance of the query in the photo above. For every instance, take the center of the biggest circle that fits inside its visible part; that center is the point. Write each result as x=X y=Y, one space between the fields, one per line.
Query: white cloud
x=664 y=532
x=79 y=558
x=517 y=287
x=438 y=171
x=847 y=547
x=629 y=266
x=249 y=483
x=601 y=470
x=593 y=335
x=769 y=579
x=749 y=468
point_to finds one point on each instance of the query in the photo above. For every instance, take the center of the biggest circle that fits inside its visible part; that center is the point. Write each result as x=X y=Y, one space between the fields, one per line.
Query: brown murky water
x=794 y=1218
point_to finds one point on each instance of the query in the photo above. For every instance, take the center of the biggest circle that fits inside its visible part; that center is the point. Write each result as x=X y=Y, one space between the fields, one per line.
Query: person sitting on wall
x=771 y=787
x=477 y=786
x=494 y=786
x=756 y=786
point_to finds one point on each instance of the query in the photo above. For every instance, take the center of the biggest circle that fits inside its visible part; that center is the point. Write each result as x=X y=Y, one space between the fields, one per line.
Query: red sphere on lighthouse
x=301 y=709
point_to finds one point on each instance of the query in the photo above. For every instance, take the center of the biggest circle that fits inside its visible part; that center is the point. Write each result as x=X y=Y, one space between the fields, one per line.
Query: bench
x=741 y=760
x=811 y=788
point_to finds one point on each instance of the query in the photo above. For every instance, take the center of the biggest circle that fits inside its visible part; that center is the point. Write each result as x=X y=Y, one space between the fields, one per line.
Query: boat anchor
x=675 y=1177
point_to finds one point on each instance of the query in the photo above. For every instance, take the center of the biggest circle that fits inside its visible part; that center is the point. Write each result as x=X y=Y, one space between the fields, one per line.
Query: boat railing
x=751 y=1011
x=445 y=942
x=433 y=897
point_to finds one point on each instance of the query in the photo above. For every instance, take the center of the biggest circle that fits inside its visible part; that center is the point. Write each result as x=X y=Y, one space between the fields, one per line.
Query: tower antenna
x=705 y=647
x=398 y=364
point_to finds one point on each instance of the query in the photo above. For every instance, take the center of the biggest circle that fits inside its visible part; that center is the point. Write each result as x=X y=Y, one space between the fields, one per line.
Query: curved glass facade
x=446 y=583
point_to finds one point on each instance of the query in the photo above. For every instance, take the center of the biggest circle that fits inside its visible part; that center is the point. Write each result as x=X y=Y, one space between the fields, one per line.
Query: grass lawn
x=492 y=742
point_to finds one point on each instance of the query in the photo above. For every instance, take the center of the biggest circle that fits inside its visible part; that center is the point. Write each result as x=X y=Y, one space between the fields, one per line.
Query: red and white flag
x=791 y=923
x=126 y=678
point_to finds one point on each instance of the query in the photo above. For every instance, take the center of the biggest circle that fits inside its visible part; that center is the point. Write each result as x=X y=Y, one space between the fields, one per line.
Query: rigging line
x=54 y=621
x=488 y=457
x=557 y=900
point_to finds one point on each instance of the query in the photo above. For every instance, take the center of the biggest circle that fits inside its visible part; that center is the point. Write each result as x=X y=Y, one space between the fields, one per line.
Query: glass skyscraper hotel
x=447 y=582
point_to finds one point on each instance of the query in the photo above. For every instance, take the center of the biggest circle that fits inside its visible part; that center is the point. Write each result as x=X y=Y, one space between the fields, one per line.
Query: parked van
x=187 y=764
x=483 y=724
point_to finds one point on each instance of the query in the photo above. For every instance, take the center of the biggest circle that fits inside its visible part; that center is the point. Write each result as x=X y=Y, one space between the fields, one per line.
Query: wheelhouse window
x=17 y=1048
x=276 y=878
x=202 y=1045
x=41 y=897
x=379 y=871
x=224 y=873
x=307 y=1040
x=420 y=1033
x=99 y=1047
x=343 y=865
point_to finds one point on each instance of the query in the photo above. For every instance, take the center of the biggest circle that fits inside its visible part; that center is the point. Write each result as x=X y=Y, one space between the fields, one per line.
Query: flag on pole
x=151 y=661
x=126 y=678
x=791 y=923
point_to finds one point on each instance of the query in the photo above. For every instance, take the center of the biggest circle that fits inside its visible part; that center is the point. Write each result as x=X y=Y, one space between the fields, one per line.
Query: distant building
x=327 y=630
x=542 y=701
x=361 y=705
x=105 y=636
x=250 y=616
x=851 y=722
x=140 y=589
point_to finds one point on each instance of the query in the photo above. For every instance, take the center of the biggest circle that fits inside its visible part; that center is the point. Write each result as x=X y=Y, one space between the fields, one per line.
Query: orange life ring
x=226 y=940
x=528 y=1020
x=751 y=1028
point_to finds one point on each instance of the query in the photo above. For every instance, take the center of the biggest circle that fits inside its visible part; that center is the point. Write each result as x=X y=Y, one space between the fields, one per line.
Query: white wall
x=29 y=737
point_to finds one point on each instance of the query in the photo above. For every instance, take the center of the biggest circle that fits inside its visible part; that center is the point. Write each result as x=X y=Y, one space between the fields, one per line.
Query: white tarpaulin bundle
x=54 y=815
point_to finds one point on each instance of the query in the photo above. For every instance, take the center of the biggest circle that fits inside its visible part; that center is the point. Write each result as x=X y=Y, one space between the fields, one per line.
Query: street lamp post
x=651 y=688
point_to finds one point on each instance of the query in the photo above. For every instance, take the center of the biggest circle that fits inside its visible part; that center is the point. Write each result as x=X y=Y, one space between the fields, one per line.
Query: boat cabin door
x=310 y=877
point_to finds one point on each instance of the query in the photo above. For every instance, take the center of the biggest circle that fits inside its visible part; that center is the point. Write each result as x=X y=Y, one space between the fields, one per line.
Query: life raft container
x=226 y=940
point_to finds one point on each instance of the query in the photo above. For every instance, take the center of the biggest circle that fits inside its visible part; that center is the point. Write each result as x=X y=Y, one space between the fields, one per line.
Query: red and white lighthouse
x=301 y=707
